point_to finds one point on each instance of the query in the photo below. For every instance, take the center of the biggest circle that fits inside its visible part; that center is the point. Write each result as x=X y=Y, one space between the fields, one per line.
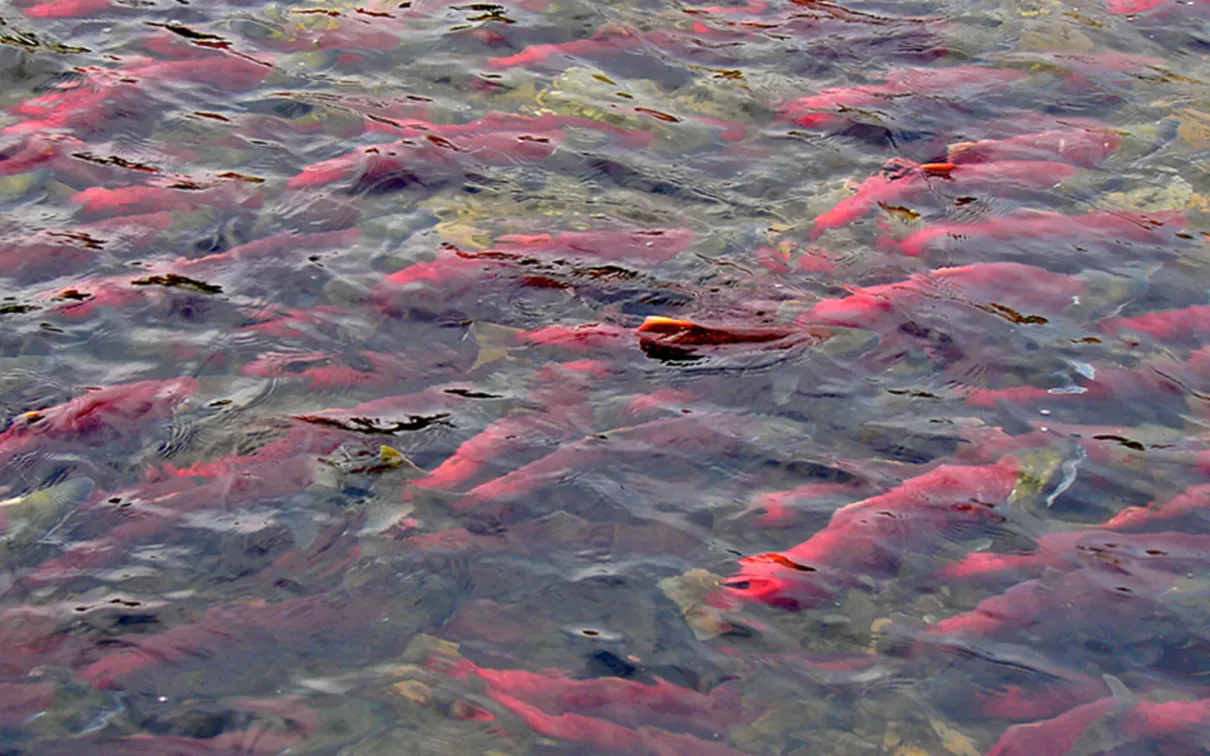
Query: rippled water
x=601 y=377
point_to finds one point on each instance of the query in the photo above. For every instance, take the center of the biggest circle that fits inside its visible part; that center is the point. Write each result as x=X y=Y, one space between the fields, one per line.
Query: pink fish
x=27 y=152
x=505 y=123
x=517 y=432
x=827 y=109
x=293 y=623
x=1133 y=6
x=135 y=232
x=67 y=8
x=1022 y=287
x=581 y=337
x=1103 y=594
x=102 y=412
x=382 y=164
x=180 y=197
x=528 y=260
x=295 y=324
x=1087 y=148
x=1098 y=229
x=1182 y=325
x=88 y=103
x=872 y=535
x=328 y=371
x=689 y=436
x=781 y=508
x=1080 y=548
x=626 y=702
x=643 y=245
x=285 y=243
x=599 y=733
x=608 y=43
x=1121 y=721
x=1154 y=379
x=1192 y=503
x=286 y=465
x=904 y=182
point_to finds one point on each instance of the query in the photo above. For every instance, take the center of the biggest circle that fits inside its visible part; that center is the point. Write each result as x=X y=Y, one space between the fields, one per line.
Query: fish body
x=1100 y=228
x=1079 y=548
x=1022 y=287
x=283 y=244
x=114 y=409
x=100 y=202
x=904 y=182
x=1180 y=325
x=871 y=536
x=827 y=108
x=326 y=371
x=427 y=160
x=1086 y=148
x=1108 y=722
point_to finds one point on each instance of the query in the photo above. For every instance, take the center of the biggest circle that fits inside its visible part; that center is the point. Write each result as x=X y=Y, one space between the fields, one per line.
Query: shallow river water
x=633 y=377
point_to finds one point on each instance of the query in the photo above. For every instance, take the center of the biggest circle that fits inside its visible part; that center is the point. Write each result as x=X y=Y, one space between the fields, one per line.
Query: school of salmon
x=426 y=377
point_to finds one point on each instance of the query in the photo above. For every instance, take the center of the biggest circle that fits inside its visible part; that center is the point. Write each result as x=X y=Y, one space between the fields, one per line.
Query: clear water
x=421 y=378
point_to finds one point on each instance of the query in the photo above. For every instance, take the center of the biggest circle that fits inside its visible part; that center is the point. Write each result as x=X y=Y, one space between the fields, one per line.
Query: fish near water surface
x=1109 y=723
x=902 y=181
x=827 y=109
x=1024 y=288
x=101 y=413
x=1086 y=148
x=1101 y=231
x=871 y=536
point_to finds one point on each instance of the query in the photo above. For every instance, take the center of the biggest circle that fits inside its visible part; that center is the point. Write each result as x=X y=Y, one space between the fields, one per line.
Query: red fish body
x=328 y=371
x=1123 y=721
x=601 y=713
x=781 y=508
x=1157 y=379
x=524 y=259
x=1188 y=509
x=1079 y=548
x=602 y=44
x=67 y=8
x=284 y=244
x=428 y=159
x=1101 y=229
x=1022 y=287
x=661 y=333
x=871 y=536
x=902 y=182
x=1182 y=325
x=113 y=410
x=582 y=337
x=826 y=109
x=285 y=466
x=1104 y=594
x=688 y=436
x=294 y=324
x=506 y=123
x=131 y=200
x=1086 y=148
x=27 y=152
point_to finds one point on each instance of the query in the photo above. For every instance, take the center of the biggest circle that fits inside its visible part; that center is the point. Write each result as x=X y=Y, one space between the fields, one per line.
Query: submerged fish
x=901 y=182
x=99 y=415
x=827 y=109
x=25 y=519
x=1083 y=147
x=872 y=536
